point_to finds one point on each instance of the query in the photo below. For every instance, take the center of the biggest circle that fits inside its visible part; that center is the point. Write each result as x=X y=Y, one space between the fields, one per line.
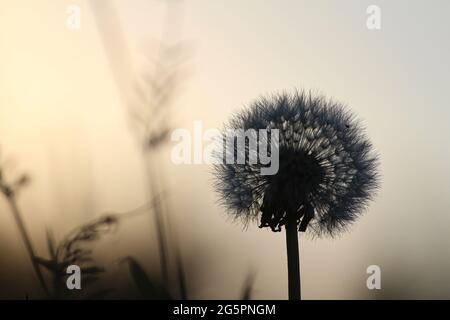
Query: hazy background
x=63 y=120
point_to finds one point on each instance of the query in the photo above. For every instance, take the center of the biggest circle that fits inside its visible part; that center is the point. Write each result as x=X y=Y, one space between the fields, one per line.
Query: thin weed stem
x=182 y=286
x=159 y=222
x=26 y=239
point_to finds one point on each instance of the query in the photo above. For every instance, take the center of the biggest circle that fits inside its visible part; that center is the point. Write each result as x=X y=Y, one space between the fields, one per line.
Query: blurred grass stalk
x=156 y=96
x=10 y=194
x=27 y=240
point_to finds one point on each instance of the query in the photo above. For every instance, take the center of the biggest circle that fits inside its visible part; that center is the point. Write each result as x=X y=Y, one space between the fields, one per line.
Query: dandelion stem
x=28 y=244
x=293 y=259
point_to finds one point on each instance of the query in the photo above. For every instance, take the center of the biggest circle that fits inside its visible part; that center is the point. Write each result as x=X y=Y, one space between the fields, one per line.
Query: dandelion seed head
x=328 y=170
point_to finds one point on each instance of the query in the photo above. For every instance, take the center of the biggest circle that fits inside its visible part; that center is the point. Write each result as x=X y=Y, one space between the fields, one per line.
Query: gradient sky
x=62 y=120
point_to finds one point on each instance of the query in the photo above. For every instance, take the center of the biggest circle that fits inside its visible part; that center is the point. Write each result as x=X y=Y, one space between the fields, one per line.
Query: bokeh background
x=65 y=120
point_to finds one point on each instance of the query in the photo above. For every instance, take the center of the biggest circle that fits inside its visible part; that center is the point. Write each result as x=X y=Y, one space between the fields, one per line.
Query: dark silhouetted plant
x=327 y=171
x=72 y=250
x=148 y=288
x=10 y=191
x=75 y=249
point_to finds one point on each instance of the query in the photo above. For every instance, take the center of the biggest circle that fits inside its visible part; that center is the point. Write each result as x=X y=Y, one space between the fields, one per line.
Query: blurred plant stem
x=149 y=105
x=179 y=265
x=159 y=221
x=247 y=290
x=293 y=259
x=12 y=202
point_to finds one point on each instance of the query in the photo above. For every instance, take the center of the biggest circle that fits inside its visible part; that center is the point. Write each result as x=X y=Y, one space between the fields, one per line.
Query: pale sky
x=63 y=120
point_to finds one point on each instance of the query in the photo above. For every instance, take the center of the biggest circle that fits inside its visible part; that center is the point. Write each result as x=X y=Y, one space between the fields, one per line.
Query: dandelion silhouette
x=327 y=171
